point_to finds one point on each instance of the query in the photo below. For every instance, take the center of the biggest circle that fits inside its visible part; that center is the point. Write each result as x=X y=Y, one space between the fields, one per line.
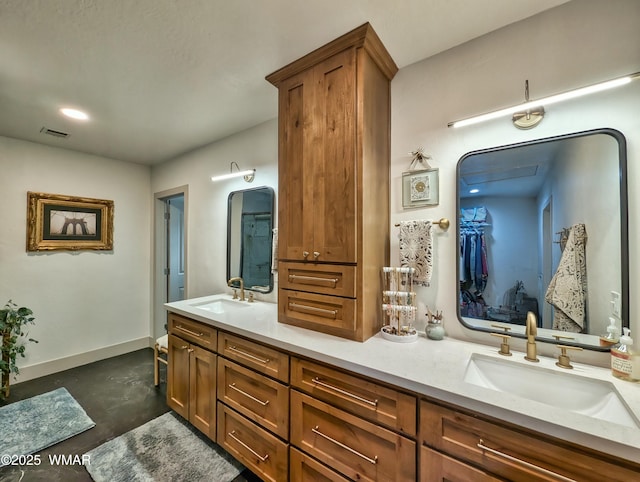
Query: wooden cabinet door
x=295 y=171
x=202 y=390
x=178 y=376
x=358 y=449
x=437 y=467
x=334 y=159
x=317 y=168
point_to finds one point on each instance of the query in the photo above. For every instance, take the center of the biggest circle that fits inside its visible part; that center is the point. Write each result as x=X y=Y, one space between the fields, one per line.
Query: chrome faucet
x=531 y=332
x=238 y=278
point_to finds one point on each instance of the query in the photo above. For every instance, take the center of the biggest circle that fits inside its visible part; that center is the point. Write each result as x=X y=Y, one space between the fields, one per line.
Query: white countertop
x=435 y=369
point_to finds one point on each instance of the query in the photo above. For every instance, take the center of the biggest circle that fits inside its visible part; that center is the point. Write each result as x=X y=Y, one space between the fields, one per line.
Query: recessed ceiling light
x=473 y=191
x=74 y=114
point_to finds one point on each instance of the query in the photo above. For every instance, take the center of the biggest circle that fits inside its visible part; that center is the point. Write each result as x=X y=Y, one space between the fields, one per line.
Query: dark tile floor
x=118 y=394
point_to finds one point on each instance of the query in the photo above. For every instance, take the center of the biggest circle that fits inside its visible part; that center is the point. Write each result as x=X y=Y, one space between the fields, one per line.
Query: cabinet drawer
x=324 y=313
x=193 y=331
x=257 y=397
x=254 y=355
x=303 y=468
x=265 y=454
x=513 y=454
x=337 y=280
x=372 y=401
x=354 y=447
x=437 y=467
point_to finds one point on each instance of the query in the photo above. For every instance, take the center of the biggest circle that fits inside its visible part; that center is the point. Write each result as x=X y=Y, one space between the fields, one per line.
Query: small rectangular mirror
x=250 y=238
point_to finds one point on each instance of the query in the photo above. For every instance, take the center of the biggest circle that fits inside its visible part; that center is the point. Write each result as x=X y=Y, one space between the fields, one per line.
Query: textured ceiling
x=162 y=77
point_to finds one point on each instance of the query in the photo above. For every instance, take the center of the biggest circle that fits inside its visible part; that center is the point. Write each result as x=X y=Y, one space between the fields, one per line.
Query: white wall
x=84 y=301
x=576 y=44
x=582 y=175
x=207 y=201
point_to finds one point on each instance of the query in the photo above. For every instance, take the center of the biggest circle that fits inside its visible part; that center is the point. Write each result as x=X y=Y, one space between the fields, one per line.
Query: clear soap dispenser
x=613 y=335
x=625 y=362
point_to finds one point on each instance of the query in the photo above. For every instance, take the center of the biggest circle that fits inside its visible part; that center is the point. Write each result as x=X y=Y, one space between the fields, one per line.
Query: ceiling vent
x=54 y=133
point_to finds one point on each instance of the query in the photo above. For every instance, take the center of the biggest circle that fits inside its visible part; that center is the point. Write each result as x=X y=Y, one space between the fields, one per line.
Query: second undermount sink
x=576 y=393
x=221 y=305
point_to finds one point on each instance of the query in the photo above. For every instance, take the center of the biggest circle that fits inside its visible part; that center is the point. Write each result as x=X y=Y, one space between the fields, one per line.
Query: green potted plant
x=13 y=321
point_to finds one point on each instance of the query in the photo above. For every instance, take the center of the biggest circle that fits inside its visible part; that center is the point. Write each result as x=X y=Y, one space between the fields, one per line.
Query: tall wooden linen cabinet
x=333 y=196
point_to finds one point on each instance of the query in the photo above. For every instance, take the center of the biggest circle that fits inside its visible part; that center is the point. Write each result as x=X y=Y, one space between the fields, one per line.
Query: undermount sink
x=587 y=396
x=221 y=306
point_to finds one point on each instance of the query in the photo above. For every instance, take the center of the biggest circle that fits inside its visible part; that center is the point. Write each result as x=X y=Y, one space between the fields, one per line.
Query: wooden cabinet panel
x=317 y=176
x=334 y=159
x=354 y=447
x=202 y=391
x=328 y=314
x=191 y=384
x=295 y=177
x=366 y=399
x=261 y=358
x=193 y=331
x=261 y=399
x=328 y=279
x=303 y=468
x=178 y=375
x=263 y=453
x=514 y=454
x=437 y=467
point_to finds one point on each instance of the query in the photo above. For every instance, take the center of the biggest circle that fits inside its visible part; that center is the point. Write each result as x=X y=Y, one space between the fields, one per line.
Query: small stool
x=161 y=348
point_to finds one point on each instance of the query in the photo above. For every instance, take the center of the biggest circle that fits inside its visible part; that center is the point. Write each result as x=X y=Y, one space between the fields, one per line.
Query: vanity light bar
x=553 y=99
x=248 y=173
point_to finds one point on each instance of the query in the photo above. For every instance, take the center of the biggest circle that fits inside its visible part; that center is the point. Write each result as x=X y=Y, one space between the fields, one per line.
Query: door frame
x=159 y=250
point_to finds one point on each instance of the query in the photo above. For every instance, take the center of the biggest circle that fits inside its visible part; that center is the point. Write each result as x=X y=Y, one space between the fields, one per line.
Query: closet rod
x=443 y=223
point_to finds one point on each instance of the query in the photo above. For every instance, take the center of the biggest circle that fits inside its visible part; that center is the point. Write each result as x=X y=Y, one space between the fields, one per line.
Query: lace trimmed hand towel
x=567 y=291
x=416 y=249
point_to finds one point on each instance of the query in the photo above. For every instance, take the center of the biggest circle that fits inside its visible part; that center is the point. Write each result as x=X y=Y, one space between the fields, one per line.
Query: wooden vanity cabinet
x=372 y=401
x=333 y=178
x=253 y=405
x=307 y=469
x=456 y=438
x=265 y=454
x=191 y=374
x=360 y=429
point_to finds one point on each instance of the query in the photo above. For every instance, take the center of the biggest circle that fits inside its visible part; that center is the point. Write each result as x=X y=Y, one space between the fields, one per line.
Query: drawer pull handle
x=302 y=278
x=249 y=355
x=233 y=386
x=318 y=381
x=331 y=313
x=346 y=447
x=537 y=468
x=232 y=434
x=192 y=333
x=184 y=347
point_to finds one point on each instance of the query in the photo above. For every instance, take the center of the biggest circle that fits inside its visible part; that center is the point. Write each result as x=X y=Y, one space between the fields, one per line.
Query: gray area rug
x=36 y=423
x=164 y=449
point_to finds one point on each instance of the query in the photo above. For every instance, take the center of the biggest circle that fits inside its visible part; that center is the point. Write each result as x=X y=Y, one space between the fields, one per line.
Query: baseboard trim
x=73 y=361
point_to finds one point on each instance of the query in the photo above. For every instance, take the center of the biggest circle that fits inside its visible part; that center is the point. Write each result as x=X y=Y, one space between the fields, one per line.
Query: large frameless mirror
x=249 y=238
x=543 y=227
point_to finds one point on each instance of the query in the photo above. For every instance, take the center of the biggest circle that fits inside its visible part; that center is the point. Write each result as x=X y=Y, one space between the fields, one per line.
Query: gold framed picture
x=58 y=222
x=420 y=188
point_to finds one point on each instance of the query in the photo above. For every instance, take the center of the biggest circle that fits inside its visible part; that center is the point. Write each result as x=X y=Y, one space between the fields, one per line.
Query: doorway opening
x=170 y=253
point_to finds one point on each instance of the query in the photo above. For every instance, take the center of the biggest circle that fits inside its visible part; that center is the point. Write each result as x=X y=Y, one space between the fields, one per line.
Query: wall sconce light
x=248 y=175
x=530 y=113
